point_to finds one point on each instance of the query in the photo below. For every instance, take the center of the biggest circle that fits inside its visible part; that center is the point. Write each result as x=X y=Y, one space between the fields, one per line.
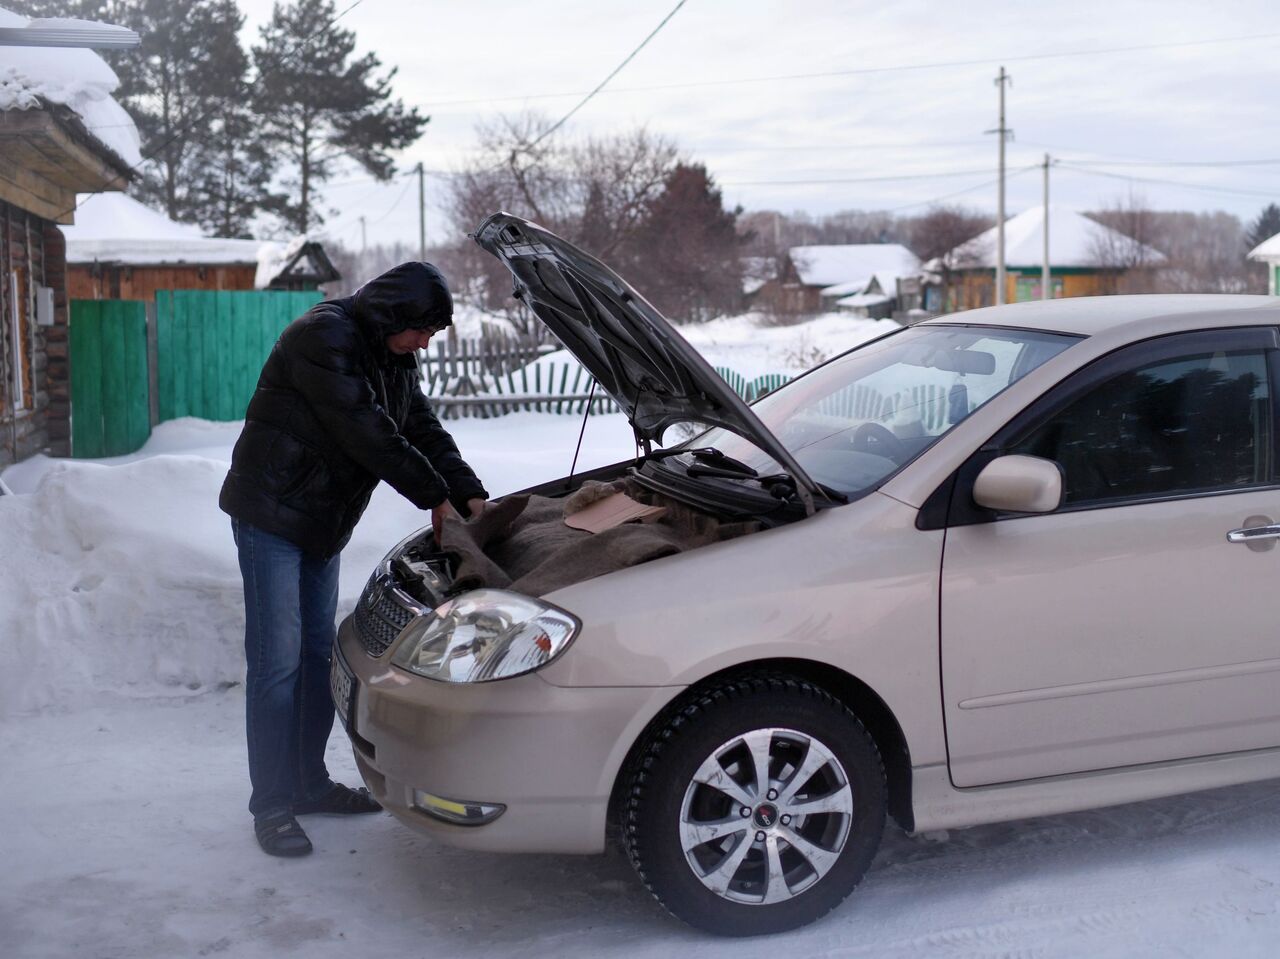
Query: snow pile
x=120 y=577
x=116 y=228
x=750 y=345
x=76 y=78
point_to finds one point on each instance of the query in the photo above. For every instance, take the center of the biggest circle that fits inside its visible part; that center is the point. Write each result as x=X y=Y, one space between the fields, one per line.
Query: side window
x=1195 y=423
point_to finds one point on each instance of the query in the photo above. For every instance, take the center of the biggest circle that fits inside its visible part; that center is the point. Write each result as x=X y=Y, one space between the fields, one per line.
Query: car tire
x=730 y=858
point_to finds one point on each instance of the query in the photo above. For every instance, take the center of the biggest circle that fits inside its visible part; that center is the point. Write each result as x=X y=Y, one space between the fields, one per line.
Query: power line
x=865 y=71
x=616 y=70
x=1177 y=163
x=861 y=179
x=969 y=189
x=1166 y=182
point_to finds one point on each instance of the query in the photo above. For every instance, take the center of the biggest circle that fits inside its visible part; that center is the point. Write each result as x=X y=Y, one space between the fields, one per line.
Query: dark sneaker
x=339 y=800
x=280 y=835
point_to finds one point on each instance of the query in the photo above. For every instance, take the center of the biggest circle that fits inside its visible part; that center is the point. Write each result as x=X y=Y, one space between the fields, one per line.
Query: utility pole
x=364 y=243
x=1046 y=291
x=422 y=214
x=1001 y=133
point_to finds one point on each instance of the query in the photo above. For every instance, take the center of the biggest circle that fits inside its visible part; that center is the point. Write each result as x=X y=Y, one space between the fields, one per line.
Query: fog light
x=458 y=812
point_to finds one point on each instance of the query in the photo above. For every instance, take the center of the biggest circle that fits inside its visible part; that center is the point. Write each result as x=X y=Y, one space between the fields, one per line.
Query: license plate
x=342 y=686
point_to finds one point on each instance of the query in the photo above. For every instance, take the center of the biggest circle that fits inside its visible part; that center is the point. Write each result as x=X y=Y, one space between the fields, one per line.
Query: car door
x=1124 y=627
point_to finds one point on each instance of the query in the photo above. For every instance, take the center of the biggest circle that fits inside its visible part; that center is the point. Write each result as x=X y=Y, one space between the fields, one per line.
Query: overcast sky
x=720 y=80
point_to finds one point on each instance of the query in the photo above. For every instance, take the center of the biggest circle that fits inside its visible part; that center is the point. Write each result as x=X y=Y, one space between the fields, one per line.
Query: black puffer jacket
x=335 y=412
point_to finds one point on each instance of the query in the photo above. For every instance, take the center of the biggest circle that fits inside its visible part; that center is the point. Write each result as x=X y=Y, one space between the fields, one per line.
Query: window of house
x=19 y=390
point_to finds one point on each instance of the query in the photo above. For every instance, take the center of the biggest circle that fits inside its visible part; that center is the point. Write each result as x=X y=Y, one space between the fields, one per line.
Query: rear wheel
x=757 y=807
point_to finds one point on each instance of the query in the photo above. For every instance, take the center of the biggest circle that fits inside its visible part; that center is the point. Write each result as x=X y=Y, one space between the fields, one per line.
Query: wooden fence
x=210 y=347
x=110 y=400
x=196 y=353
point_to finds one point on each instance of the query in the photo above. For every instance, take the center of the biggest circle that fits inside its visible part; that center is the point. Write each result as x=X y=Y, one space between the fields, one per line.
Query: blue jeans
x=290 y=600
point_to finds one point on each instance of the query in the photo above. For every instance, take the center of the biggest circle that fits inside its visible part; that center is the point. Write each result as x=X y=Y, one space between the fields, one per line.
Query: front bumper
x=550 y=754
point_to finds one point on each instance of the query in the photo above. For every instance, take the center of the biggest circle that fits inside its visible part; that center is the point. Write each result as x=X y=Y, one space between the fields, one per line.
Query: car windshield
x=855 y=420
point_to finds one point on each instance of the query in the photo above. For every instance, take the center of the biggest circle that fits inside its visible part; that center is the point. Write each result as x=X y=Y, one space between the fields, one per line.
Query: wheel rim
x=766 y=816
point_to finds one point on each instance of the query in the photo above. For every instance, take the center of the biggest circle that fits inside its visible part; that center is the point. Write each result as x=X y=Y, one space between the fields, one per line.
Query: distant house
x=1085 y=259
x=815 y=278
x=1268 y=252
x=120 y=249
x=61 y=133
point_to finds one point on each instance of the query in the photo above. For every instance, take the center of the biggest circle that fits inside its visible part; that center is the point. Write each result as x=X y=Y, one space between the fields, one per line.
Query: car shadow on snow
x=513 y=899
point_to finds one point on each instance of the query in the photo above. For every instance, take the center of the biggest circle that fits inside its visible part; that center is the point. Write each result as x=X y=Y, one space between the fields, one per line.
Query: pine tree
x=1264 y=227
x=319 y=104
x=186 y=89
x=233 y=183
x=686 y=255
x=189 y=70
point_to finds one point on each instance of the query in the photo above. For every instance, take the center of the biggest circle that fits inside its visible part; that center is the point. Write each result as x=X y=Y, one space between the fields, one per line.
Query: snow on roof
x=852 y=265
x=114 y=228
x=863 y=299
x=74 y=77
x=1074 y=241
x=274 y=257
x=1267 y=249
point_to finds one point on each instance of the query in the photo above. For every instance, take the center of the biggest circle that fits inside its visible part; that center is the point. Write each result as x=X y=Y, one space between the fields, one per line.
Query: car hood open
x=635 y=354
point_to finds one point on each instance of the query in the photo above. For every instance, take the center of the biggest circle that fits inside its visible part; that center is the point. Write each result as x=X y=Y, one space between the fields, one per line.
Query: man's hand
x=438 y=514
x=475 y=506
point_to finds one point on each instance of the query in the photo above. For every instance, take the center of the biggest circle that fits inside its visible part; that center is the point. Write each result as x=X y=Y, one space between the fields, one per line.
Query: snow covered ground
x=125 y=833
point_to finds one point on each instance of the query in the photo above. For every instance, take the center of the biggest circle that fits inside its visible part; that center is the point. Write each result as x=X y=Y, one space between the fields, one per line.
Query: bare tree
x=1206 y=254
x=1126 y=251
x=943 y=239
x=596 y=193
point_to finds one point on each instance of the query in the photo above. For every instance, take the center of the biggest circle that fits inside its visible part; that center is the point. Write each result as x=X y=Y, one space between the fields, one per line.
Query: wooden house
x=812 y=279
x=1085 y=259
x=120 y=249
x=1268 y=252
x=61 y=133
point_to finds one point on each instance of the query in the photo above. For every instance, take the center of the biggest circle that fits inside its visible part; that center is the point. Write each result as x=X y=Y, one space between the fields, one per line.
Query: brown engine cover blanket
x=522 y=543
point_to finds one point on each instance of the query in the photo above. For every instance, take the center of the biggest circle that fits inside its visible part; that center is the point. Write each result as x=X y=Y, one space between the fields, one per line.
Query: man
x=337 y=408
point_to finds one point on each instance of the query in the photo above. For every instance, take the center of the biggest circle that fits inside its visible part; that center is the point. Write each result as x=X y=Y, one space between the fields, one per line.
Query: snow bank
x=76 y=78
x=119 y=577
x=750 y=345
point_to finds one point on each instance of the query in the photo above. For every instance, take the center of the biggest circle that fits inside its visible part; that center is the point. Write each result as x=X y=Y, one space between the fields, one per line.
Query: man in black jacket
x=337 y=408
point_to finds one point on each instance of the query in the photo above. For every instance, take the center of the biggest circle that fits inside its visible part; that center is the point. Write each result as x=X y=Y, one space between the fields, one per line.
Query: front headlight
x=483 y=635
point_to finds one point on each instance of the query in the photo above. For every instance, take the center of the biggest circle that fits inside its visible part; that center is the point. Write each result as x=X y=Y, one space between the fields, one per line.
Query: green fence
x=207 y=350
x=210 y=347
x=110 y=400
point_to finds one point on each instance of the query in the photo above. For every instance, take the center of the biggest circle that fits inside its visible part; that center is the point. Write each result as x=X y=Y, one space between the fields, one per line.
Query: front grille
x=379 y=625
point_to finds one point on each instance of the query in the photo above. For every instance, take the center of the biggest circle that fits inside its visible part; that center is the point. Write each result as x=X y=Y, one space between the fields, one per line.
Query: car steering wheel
x=874 y=438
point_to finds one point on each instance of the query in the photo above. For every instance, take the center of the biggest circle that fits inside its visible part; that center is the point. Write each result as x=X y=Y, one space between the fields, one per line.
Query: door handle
x=1253 y=534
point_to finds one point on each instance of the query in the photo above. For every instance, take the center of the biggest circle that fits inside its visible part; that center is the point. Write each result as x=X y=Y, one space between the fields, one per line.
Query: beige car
x=1005 y=563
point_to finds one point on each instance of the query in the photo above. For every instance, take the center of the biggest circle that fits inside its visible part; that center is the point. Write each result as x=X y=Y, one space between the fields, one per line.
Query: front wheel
x=757 y=807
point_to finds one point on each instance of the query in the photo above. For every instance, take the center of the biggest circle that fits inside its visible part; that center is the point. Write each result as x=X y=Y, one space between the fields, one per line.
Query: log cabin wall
x=34 y=389
x=105 y=281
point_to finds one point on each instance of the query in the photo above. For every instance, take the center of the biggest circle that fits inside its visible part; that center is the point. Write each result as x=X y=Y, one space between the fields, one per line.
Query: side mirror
x=1019 y=484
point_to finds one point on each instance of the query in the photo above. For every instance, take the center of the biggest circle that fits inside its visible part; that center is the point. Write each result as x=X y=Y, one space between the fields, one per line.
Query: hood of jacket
x=412 y=295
